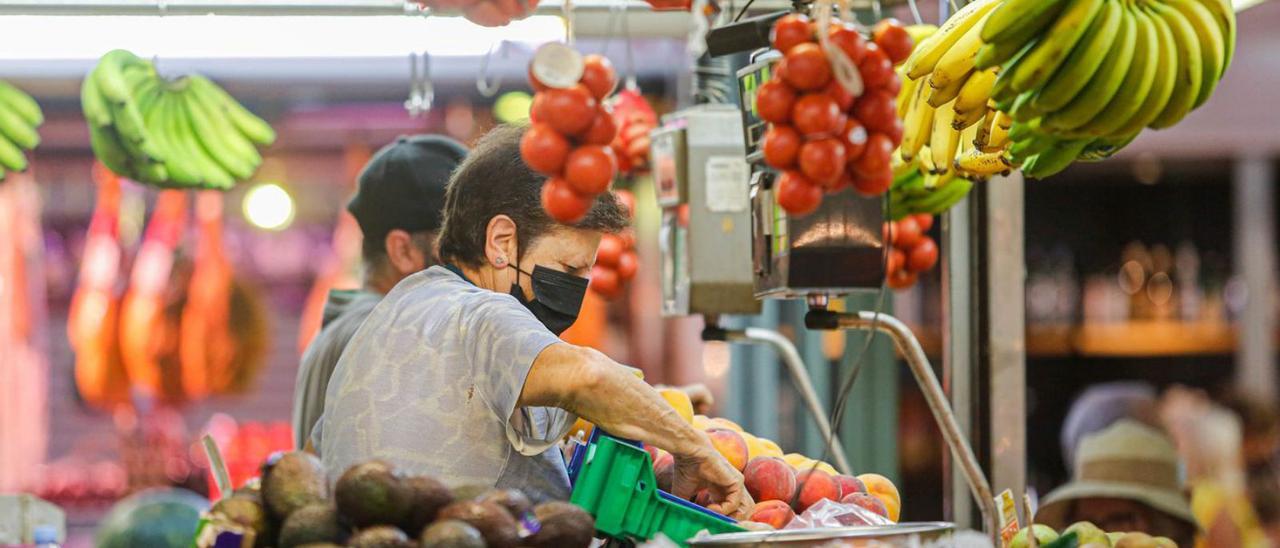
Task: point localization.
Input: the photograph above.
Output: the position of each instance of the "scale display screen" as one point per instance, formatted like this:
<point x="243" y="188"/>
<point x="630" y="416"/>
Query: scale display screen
<point x="749" y="80"/>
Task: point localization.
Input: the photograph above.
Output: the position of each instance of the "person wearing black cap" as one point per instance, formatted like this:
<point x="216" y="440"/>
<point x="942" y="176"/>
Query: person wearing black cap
<point x="398" y="203"/>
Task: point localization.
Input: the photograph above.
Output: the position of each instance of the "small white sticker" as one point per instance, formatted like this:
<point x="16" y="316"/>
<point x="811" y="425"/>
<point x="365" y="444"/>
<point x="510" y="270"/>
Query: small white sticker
<point x="727" y="184"/>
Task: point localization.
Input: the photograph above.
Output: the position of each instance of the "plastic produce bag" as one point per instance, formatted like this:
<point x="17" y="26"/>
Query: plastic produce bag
<point x="829" y="513"/>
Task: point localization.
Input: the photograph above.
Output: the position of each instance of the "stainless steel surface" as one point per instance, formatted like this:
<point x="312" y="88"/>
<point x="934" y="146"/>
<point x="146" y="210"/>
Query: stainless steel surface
<point x="916" y="360"/>
<point x="250" y="7"/>
<point x="902" y="534"/>
<point x="1255" y="258"/>
<point x="1005" y="338"/>
<point x="958" y="346"/>
<point x="800" y="376"/>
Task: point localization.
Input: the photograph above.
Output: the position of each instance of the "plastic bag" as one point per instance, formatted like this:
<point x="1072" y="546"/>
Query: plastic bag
<point x="829" y="513"/>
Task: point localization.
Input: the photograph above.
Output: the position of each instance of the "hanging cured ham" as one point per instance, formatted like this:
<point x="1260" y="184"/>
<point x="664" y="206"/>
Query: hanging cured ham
<point x="91" y="324"/>
<point x="339" y="268"/>
<point x="147" y="337"/>
<point x="206" y="348"/>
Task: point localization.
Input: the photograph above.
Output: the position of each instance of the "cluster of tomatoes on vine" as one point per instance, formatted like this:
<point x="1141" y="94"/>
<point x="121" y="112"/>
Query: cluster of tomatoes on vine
<point x="616" y="260"/>
<point x="911" y="249"/>
<point x="821" y="136"/>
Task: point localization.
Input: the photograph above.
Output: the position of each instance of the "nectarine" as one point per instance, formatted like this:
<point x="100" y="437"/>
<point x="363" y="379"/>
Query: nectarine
<point x="850" y="485"/>
<point x="770" y="478"/>
<point x="868" y="501"/>
<point x="731" y="445"/>
<point x="814" y="485"/>
<point x="884" y="490"/>
<point x="776" y="513"/>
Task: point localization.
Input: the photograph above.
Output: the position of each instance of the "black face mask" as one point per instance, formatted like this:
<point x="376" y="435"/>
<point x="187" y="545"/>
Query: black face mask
<point x="557" y="297"/>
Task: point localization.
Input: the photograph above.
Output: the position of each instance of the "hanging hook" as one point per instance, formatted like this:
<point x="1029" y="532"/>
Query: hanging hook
<point x="414" y="103"/>
<point x="566" y="10"/>
<point x="630" y="49"/>
<point x="482" y="79"/>
<point x="426" y="88"/>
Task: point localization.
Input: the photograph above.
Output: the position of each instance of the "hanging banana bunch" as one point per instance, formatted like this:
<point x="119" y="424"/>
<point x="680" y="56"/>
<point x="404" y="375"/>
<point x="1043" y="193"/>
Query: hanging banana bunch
<point x="19" y="118"/>
<point x="183" y="133"/>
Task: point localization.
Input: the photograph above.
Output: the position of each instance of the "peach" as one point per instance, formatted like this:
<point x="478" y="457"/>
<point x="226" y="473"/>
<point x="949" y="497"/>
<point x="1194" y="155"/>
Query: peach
<point x="796" y="460"/>
<point x="760" y="447"/>
<point x="825" y="467"/>
<point x="850" y="485"/>
<point x="770" y="478"/>
<point x="664" y="468"/>
<point x="868" y="501"/>
<point x="731" y="445"/>
<point x="653" y="452"/>
<point x="721" y="422"/>
<point x="679" y="401"/>
<point x="775" y="513"/>
<point x="815" y="485"/>
<point x="701" y="422"/>
<point x="770" y="448"/>
<point x="884" y="490"/>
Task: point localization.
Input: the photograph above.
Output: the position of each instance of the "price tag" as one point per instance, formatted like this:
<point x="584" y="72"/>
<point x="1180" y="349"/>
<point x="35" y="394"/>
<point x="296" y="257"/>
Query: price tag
<point x="727" y="184"/>
<point x="1008" y="516"/>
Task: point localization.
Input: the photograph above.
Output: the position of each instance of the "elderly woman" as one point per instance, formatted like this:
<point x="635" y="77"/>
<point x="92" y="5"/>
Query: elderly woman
<point x="458" y="373"/>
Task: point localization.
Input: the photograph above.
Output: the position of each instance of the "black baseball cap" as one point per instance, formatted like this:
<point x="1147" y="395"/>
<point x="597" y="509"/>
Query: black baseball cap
<point x="402" y="186"/>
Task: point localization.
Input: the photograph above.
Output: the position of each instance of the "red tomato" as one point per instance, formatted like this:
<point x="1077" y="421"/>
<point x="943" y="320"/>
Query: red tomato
<point x="533" y="81"/>
<point x="925" y="221"/>
<point x="895" y="133"/>
<point x="923" y="256"/>
<point x="628" y="264"/>
<point x="598" y="75"/>
<point x="894" y="85"/>
<point x="875" y="68"/>
<point x="875" y="158"/>
<point x="604" y="280"/>
<point x="538" y="109"/>
<point x="797" y="194"/>
<point x="902" y="279"/>
<point x="873" y="184"/>
<point x="790" y="31"/>
<point x="602" y="130"/>
<point x="611" y="247"/>
<point x="774" y="101"/>
<point x="780" y="145"/>
<point x="849" y="41"/>
<point x="589" y="169"/>
<point x="842" y="96"/>
<point x="877" y="110"/>
<point x="893" y="39"/>
<point x="628" y="238"/>
<point x="854" y="139"/>
<point x="906" y="233"/>
<point x="822" y="161"/>
<point x="895" y="260"/>
<point x="628" y="201"/>
<point x="844" y="181"/>
<point x="544" y="149"/>
<point x="562" y="203"/>
<point x="807" y="67"/>
<point x="570" y="110"/>
<point x="816" y="115"/>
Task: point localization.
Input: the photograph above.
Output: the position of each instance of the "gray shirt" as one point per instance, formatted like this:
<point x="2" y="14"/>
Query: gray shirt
<point x="343" y="313"/>
<point x="430" y="383"/>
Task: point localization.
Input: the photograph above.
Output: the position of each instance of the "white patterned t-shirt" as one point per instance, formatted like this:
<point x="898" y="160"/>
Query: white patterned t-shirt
<point x="430" y="383"/>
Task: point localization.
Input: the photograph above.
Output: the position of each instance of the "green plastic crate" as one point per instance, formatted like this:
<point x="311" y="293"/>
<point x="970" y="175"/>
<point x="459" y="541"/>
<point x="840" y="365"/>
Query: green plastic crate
<point x="613" y="480"/>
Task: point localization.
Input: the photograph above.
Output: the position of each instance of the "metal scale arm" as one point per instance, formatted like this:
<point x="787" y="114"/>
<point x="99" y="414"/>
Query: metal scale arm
<point x="933" y="394"/>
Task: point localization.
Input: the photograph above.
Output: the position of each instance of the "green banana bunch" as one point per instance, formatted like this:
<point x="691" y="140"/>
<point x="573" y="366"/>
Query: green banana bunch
<point x="926" y="193"/>
<point x="182" y="133"/>
<point x="19" y="118"/>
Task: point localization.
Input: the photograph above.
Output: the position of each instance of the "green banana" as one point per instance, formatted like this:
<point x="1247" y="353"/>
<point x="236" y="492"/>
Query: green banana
<point x="1189" y="70"/>
<point x="108" y="149"/>
<point x="159" y="122"/>
<point x="253" y="127"/>
<point x="17" y="129"/>
<point x="21" y="103"/>
<point x="1049" y="54"/>
<point x="1212" y="45"/>
<point x="236" y="140"/>
<point x="110" y="75"/>
<point x="1016" y="18"/>
<point x="93" y="104"/>
<point x="1003" y="91"/>
<point x="1224" y="13"/>
<point x="211" y="173"/>
<point x="1023" y="109"/>
<point x="1021" y="150"/>
<point x="1137" y="83"/>
<point x="1084" y="60"/>
<point x="1103" y="87"/>
<point x="11" y="157"/>
<point x="211" y="133"/>
<point x="1164" y="58"/>
<point x="1101" y="149"/>
<point x="943" y="196"/>
<point x="926" y="55"/>
<point x="1053" y="159"/>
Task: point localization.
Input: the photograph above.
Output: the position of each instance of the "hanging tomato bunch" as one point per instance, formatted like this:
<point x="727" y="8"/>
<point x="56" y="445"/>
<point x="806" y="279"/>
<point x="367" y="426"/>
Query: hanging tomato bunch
<point x="911" y="250"/>
<point x="634" y="119"/>
<point x="572" y="129"/>
<point x="486" y="13"/>
<point x="821" y="135"/>
<point x="616" y="260"/>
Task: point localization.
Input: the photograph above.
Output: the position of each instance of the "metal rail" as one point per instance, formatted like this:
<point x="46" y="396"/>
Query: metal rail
<point x="260" y="8"/>
<point x="911" y="350"/>
<point x="800" y="376"/>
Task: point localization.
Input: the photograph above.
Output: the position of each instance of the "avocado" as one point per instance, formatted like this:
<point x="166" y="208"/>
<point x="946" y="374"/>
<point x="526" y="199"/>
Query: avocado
<point x="427" y="497"/>
<point x="292" y="480"/>
<point x="370" y="493"/>
<point x="561" y="524"/>
<point x="318" y="522"/>
<point x="495" y="524"/>
<point x="247" y="510"/>
<point x="513" y="500"/>
<point x="451" y="533"/>
<point x="380" y="536"/>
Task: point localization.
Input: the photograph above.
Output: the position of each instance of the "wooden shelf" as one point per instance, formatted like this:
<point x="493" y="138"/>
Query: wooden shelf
<point x="1132" y="339"/>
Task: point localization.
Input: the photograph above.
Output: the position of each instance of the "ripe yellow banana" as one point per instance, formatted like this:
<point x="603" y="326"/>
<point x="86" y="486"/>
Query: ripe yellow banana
<point x="1212" y="45"/>
<point x="1014" y="18"/>
<point x="917" y="125"/>
<point x="958" y="61"/>
<point x="1058" y="41"/>
<point x="976" y="164"/>
<point x="944" y="140"/>
<point x="926" y="55"/>
<point x="941" y="96"/>
<point x="971" y="103"/>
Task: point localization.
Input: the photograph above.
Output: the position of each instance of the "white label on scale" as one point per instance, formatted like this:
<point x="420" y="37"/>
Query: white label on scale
<point x="727" y="184"/>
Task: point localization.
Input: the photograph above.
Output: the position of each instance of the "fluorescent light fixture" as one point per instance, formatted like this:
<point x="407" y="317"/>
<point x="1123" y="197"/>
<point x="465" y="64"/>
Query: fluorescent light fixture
<point x="247" y="37"/>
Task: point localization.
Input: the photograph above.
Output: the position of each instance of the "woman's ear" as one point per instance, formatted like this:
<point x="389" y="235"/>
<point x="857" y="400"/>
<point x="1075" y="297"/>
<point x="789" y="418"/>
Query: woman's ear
<point x="500" y="243"/>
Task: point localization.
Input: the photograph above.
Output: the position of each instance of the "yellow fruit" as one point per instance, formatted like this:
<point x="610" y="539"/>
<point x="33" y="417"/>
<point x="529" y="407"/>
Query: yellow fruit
<point x="884" y="490"/>
<point x="701" y="422"/>
<point x="760" y="447"/>
<point x="771" y="448"/>
<point x="826" y="467"/>
<point x="680" y="402"/>
<point x="721" y="422"/>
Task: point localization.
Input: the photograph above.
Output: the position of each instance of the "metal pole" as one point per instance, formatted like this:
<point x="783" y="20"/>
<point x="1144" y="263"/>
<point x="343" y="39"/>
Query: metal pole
<point x="795" y="366"/>
<point x="1003" y="363"/>
<point x="958" y="355"/>
<point x="1255" y="259"/>
<point x="920" y="368"/>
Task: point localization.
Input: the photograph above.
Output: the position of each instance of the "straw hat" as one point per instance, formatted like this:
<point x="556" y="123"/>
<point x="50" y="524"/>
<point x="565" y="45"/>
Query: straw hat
<point x="1128" y="460"/>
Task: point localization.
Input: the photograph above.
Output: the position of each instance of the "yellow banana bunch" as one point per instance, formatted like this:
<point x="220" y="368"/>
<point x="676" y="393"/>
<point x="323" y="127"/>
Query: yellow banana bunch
<point x="19" y="118"/>
<point x="183" y="133"/>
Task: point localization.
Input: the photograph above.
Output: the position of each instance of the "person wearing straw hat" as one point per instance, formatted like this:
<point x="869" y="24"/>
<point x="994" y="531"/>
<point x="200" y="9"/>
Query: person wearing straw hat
<point x="1124" y="478"/>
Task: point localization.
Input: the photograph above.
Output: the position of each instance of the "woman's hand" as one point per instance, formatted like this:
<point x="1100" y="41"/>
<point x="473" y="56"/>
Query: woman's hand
<point x="710" y="471"/>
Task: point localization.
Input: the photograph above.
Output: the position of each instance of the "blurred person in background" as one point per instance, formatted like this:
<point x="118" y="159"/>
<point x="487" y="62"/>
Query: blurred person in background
<point x="1100" y="406"/>
<point x="1261" y="422"/>
<point x="398" y="203"/>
